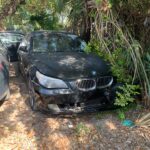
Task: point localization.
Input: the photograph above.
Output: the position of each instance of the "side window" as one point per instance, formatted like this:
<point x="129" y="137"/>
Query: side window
<point x="24" y="45"/>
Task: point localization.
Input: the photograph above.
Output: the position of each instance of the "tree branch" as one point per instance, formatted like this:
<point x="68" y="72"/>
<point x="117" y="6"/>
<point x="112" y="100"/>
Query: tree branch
<point x="10" y="8"/>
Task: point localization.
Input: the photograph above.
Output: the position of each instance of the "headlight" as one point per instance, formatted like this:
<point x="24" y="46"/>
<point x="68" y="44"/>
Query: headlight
<point x="49" y="82"/>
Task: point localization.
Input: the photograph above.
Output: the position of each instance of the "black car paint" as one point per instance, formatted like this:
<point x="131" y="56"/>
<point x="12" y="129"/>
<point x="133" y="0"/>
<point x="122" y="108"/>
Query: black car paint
<point x="68" y="66"/>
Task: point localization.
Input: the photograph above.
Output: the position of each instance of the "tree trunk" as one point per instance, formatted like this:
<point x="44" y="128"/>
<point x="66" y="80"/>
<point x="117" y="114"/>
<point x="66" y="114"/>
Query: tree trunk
<point x="87" y="23"/>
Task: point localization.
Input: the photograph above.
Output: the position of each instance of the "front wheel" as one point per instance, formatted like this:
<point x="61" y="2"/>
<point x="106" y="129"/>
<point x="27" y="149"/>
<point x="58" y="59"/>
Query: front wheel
<point x="32" y="95"/>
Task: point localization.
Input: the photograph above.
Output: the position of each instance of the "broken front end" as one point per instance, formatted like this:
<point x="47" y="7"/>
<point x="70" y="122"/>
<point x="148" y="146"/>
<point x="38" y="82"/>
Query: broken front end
<point x="74" y="96"/>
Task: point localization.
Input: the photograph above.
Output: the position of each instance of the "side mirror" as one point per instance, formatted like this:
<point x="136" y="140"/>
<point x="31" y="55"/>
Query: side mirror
<point x="23" y="48"/>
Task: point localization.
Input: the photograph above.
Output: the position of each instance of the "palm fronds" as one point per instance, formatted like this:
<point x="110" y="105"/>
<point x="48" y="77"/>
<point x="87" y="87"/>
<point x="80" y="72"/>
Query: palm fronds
<point x="144" y="121"/>
<point x="107" y="29"/>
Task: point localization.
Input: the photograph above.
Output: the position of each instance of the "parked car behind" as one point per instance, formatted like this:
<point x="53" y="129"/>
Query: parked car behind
<point x="11" y="40"/>
<point x="4" y="75"/>
<point x="61" y="77"/>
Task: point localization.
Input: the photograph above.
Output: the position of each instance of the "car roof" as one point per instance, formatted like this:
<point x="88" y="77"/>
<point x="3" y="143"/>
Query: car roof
<point x="12" y="32"/>
<point x="49" y="31"/>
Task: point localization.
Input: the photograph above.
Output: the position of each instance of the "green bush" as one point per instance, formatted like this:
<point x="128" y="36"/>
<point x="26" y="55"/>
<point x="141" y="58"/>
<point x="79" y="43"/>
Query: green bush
<point x="81" y="129"/>
<point x="126" y="94"/>
<point x="121" y="68"/>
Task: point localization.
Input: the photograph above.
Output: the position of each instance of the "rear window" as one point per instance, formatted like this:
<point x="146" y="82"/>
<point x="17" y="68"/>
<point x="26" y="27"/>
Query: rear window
<point x="10" y="38"/>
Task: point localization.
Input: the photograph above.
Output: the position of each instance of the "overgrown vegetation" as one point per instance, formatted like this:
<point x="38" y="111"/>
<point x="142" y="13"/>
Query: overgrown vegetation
<point x="126" y="94"/>
<point x="81" y="129"/>
<point x="144" y="121"/>
<point x="113" y="39"/>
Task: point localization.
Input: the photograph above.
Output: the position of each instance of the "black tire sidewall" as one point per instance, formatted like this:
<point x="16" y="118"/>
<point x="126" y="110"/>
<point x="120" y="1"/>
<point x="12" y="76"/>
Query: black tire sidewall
<point x="32" y="100"/>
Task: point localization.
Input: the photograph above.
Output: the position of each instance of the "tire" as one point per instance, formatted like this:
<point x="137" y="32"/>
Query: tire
<point x="20" y="66"/>
<point x="32" y="99"/>
<point x="21" y="70"/>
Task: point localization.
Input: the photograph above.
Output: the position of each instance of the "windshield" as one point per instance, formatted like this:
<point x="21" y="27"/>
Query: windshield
<point x="50" y="42"/>
<point x="10" y="38"/>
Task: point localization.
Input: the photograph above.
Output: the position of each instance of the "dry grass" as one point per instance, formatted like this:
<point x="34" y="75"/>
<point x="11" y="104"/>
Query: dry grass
<point x="144" y="121"/>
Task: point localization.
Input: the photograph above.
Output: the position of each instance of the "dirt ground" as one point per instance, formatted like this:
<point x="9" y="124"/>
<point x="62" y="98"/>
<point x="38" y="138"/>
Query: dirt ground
<point x="22" y="129"/>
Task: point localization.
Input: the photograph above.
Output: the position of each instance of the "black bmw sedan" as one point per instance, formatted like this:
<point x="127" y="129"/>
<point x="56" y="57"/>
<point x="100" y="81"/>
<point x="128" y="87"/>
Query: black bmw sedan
<point x="61" y="76"/>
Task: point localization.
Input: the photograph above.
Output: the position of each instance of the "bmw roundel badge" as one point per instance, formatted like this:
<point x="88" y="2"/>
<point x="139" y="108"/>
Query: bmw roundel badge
<point x="94" y="73"/>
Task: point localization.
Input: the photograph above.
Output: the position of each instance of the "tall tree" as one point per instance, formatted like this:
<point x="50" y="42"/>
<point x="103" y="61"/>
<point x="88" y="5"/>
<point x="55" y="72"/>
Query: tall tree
<point x="9" y="8"/>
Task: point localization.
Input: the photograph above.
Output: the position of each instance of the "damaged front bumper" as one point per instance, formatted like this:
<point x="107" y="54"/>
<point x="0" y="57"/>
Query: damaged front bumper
<point x="73" y="101"/>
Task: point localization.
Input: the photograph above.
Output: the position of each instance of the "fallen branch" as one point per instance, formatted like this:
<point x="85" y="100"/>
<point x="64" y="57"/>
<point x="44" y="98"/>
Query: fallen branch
<point x="144" y="121"/>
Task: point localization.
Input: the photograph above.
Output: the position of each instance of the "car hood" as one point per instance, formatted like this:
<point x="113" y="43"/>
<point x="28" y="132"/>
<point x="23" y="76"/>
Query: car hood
<point x="66" y="66"/>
